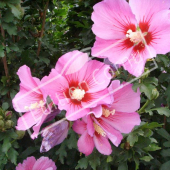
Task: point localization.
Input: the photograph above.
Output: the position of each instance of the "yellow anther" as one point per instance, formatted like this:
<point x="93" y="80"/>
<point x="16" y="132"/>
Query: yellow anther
<point x="107" y="113"/>
<point x="99" y="130"/>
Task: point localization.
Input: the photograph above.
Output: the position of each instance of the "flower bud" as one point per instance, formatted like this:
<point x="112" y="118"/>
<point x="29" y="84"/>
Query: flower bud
<point x="1" y="124"/>
<point x="1" y="118"/>
<point x="8" y="114"/>
<point x="146" y="72"/>
<point x="9" y="124"/>
<point x="20" y="134"/>
<point x="155" y="94"/>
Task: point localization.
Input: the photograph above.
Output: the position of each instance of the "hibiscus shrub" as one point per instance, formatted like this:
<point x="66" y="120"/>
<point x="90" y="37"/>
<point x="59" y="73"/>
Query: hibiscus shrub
<point x="85" y="84"/>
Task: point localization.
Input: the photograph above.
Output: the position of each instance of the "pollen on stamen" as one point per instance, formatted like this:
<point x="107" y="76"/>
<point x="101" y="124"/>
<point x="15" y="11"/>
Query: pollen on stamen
<point x="107" y="113"/>
<point x="78" y="94"/>
<point x="99" y="130"/>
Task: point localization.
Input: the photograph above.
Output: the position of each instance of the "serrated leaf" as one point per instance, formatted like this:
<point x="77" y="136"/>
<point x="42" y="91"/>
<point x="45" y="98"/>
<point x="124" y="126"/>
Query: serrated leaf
<point x="152" y="147"/>
<point x="94" y="161"/>
<point x="12" y="155"/>
<point x="11" y="28"/>
<point x="15" y="11"/>
<point x="132" y="138"/>
<point x="151" y="80"/>
<point x="82" y="163"/>
<point x="162" y="111"/>
<point x="14" y="47"/>
<point x="6" y="145"/>
<point x="147" y="89"/>
<point x="162" y="132"/>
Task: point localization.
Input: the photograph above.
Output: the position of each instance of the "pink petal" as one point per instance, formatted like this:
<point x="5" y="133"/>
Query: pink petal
<point x="55" y="85"/>
<point x="43" y="163"/>
<point x="25" y="98"/>
<point x="27" y="81"/>
<point x="71" y="62"/>
<point x="111" y="19"/>
<point x="27" y="164"/>
<point x="90" y="127"/>
<point x="97" y="76"/>
<point x="124" y="122"/>
<point x="112" y="49"/>
<point x="97" y="111"/>
<point x="114" y="135"/>
<point x="79" y="126"/>
<point x="136" y="63"/>
<point x="102" y="144"/>
<point x="29" y="119"/>
<point x="75" y="112"/>
<point x="160" y="32"/>
<point x="125" y="99"/>
<point x="37" y="127"/>
<point x="149" y="8"/>
<point x="85" y="144"/>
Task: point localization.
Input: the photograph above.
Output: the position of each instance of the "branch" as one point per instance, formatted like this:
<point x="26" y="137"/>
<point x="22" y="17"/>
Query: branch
<point x="42" y="29"/>
<point x="4" y="58"/>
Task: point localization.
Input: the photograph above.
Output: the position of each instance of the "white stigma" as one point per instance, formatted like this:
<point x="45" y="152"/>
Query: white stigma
<point x="135" y="37"/>
<point x="78" y="94"/>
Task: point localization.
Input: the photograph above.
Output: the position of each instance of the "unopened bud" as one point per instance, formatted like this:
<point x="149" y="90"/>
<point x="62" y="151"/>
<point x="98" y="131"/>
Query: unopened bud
<point x="8" y="114"/>
<point x="9" y="124"/>
<point x="1" y="118"/>
<point x="127" y="146"/>
<point x="20" y="134"/>
<point x="1" y="124"/>
<point x="155" y="94"/>
<point x="146" y="73"/>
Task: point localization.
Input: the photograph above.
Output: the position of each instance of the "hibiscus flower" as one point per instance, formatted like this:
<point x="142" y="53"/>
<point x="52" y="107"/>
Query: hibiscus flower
<point x="31" y="100"/>
<point x="129" y="34"/>
<point x="107" y="122"/>
<point x="76" y="84"/>
<point x="43" y="163"/>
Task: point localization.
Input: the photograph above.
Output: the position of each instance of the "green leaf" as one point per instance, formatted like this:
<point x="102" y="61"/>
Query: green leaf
<point x="146" y="158"/>
<point x="11" y="28"/>
<point x="147" y="89"/>
<point x="151" y="80"/>
<point x="2" y="4"/>
<point x="14" y="47"/>
<point x="165" y="166"/>
<point x="6" y="145"/>
<point x="14" y="1"/>
<point x="165" y="152"/>
<point x="45" y="60"/>
<point x="162" y="111"/>
<point x="132" y="138"/>
<point x="12" y="155"/>
<point x="162" y="132"/>
<point x="151" y="125"/>
<point x="5" y="106"/>
<point x="123" y="166"/>
<point x="82" y="163"/>
<point x="8" y="17"/>
<point x="167" y="144"/>
<point x="2" y="54"/>
<point x="152" y="147"/>
<point x="94" y="160"/>
<point x="15" y="11"/>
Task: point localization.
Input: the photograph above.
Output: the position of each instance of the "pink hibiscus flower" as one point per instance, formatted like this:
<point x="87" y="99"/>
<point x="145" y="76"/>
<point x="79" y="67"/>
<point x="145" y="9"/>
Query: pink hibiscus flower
<point x="42" y="163"/>
<point x="31" y="100"/>
<point x="77" y="84"/>
<point x="107" y="122"/>
<point x="128" y="35"/>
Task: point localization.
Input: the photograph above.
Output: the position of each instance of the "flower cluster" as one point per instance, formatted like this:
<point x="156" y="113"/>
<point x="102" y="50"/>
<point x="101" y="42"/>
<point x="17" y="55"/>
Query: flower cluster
<point x="101" y="108"/>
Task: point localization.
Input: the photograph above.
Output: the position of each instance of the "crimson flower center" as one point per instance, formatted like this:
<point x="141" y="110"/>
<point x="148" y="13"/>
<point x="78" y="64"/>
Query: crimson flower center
<point x="136" y="37"/>
<point x="78" y="94"/>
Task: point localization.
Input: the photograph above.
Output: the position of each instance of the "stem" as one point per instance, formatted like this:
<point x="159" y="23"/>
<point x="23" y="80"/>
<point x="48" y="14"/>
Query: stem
<point x="4" y="58"/>
<point x="164" y="126"/>
<point x="42" y="29"/>
<point x="142" y="109"/>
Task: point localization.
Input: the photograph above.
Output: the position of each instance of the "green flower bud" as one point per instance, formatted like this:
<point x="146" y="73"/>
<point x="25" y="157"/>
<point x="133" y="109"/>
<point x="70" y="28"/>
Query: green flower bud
<point x="8" y="114"/>
<point x="20" y="134"/>
<point x="9" y="124"/>
<point x="146" y="72"/>
<point x="155" y="94"/>
<point x="1" y="124"/>
<point x="1" y="117"/>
